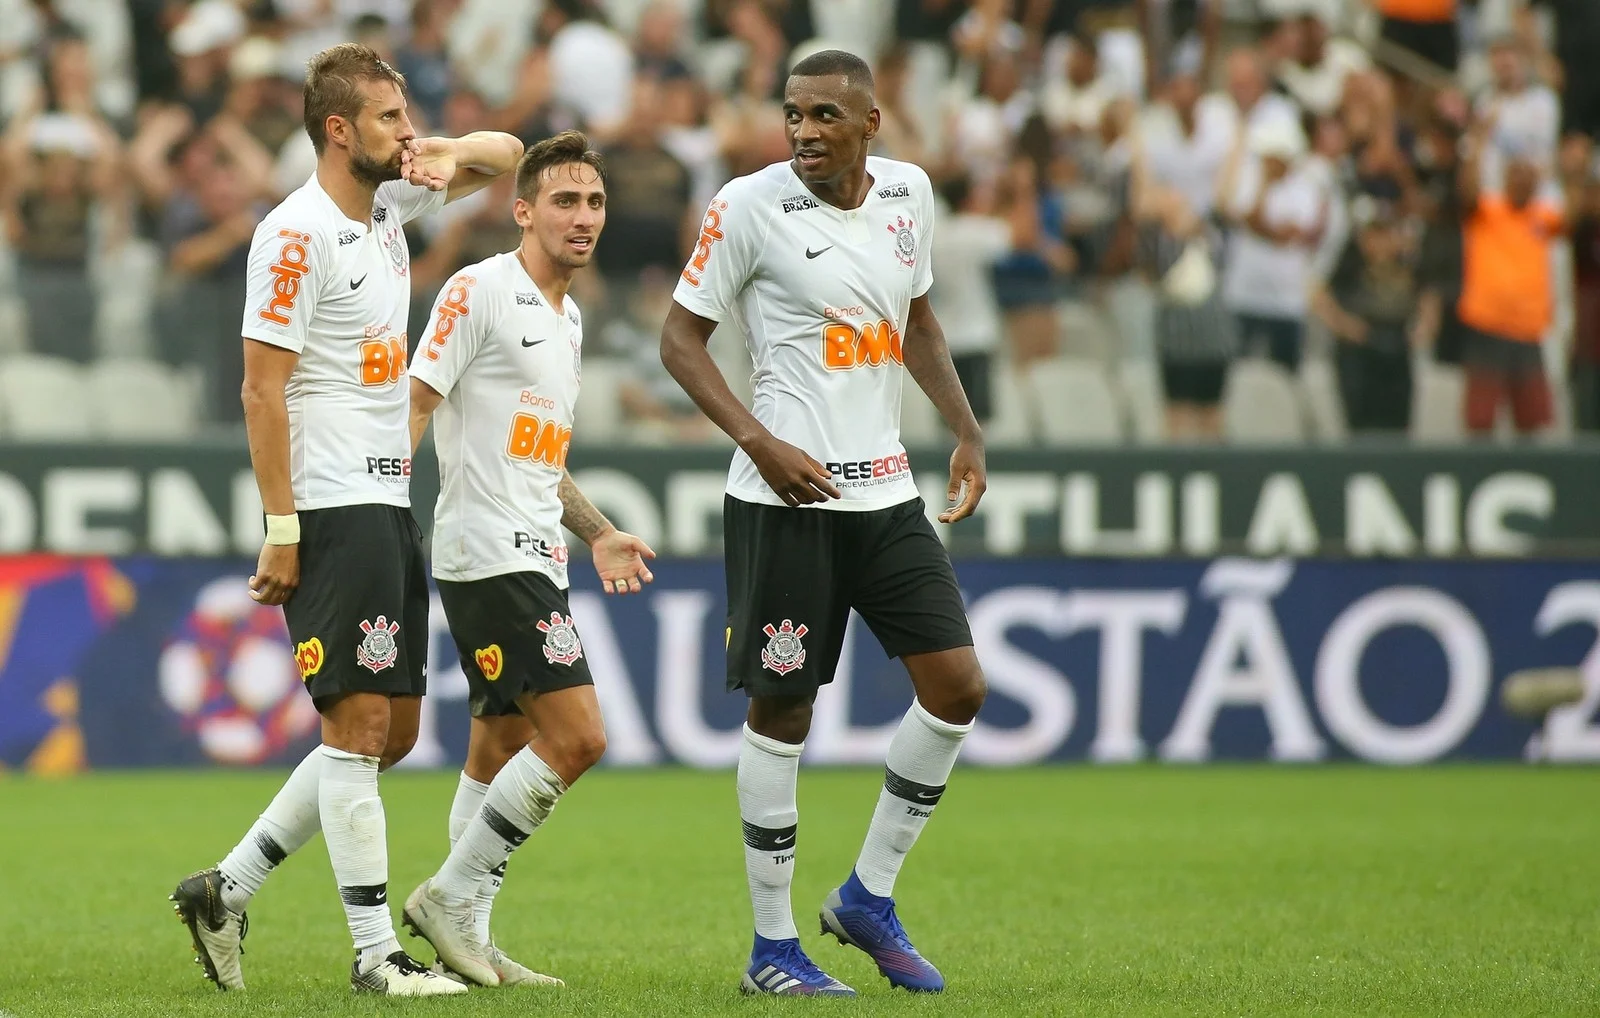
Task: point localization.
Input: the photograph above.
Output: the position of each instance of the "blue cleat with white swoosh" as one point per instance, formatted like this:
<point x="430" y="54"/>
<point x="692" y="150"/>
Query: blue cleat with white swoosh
<point x="780" y="968"/>
<point x="863" y="920"/>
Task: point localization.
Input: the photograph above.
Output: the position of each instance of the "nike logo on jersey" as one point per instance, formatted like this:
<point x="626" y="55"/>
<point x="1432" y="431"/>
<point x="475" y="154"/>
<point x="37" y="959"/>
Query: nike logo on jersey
<point x="813" y="254"/>
<point x="354" y="283"/>
<point x="534" y="343"/>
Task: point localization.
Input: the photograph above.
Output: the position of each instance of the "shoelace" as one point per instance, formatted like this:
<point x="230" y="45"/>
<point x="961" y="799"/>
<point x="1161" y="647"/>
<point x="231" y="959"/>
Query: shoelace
<point x="244" y="929"/>
<point x="794" y="961"/>
<point x="407" y="964"/>
<point x="885" y="915"/>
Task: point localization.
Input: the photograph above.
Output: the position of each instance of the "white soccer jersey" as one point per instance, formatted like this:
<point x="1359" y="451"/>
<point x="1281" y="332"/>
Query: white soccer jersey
<point x="821" y="295"/>
<point x="508" y="365"/>
<point x="337" y="292"/>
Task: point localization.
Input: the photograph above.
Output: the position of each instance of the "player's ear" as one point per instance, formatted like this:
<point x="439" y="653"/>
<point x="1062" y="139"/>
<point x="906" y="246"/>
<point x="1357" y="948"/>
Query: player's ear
<point x="522" y="212"/>
<point x="337" y="129"/>
<point x="874" y="120"/>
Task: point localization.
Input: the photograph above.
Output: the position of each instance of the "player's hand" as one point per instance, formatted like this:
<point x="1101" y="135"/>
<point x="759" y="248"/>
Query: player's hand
<point x="794" y="476"/>
<point x="967" y="470"/>
<point x="277" y="573"/>
<point x="429" y="162"/>
<point x="619" y="561"/>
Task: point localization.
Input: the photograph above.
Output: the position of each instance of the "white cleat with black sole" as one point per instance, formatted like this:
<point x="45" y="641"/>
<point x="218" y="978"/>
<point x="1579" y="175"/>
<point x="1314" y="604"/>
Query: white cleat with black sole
<point x="217" y="933"/>
<point x="452" y="930"/>
<point x="401" y="975"/>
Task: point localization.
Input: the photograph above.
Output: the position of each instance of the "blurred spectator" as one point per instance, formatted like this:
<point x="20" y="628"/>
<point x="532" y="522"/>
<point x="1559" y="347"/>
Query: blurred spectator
<point x="1186" y="141"/>
<point x="1074" y="100"/>
<point x="1584" y="186"/>
<point x="1425" y="27"/>
<point x="1248" y="94"/>
<point x="201" y="43"/>
<point x="986" y="126"/>
<point x="1576" y="39"/>
<point x="1315" y="73"/>
<point x="899" y="134"/>
<point x="591" y="66"/>
<point x="1179" y="32"/>
<point x="1526" y="114"/>
<point x="647" y="199"/>
<point x="1196" y="336"/>
<point x="1373" y="305"/>
<point x="1027" y="281"/>
<point x="61" y="201"/>
<point x="653" y="404"/>
<point x="205" y="235"/>
<point x="970" y="239"/>
<point x="1279" y="213"/>
<point x="259" y="100"/>
<point x="425" y="62"/>
<point x="659" y="42"/>
<point x="689" y="136"/>
<point x="1507" y="295"/>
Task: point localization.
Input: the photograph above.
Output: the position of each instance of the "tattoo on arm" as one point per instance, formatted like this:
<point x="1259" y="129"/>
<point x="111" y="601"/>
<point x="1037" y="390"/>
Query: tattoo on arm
<point x="578" y="514"/>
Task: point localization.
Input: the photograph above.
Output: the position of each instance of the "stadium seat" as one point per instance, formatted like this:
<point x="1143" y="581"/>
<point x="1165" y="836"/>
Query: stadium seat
<point x="1319" y="380"/>
<point x="597" y="417"/>
<point x="1075" y="402"/>
<point x="1261" y="405"/>
<point x="1437" y="394"/>
<point x="1140" y="381"/>
<point x="1009" y="425"/>
<point x="135" y="400"/>
<point x="44" y="398"/>
<point x="919" y="418"/>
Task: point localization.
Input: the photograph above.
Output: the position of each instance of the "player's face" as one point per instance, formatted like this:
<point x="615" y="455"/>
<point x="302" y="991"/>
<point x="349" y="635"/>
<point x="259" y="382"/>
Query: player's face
<point x="829" y="123"/>
<point x="380" y="133"/>
<point x="567" y="215"/>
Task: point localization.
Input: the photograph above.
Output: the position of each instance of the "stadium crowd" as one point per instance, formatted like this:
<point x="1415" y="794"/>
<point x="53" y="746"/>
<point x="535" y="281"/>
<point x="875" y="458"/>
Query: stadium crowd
<point x="1164" y="219"/>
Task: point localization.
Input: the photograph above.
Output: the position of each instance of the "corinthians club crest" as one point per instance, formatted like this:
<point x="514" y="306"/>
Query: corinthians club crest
<point x="378" y="649"/>
<point x="561" y="645"/>
<point x="783" y="652"/>
<point x="905" y="240"/>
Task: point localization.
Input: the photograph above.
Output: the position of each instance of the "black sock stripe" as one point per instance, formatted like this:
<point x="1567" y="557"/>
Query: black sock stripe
<point x="770" y="839"/>
<point x="922" y="795"/>
<point x="508" y="831"/>
<point x="270" y="849"/>
<point x="372" y="894"/>
<point x="499" y="871"/>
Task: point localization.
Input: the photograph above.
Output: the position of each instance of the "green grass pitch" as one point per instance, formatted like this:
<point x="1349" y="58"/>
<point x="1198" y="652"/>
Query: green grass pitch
<point x="1072" y="891"/>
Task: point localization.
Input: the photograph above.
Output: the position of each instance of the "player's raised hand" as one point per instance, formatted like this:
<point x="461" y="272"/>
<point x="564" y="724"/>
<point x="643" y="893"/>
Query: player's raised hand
<point x="619" y="561"/>
<point x="429" y="162"/>
<point x="791" y="473"/>
<point x="968" y="470"/>
<point x="277" y="573"/>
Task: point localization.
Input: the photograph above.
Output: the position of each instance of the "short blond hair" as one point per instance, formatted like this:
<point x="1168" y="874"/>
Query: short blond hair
<point x="333" y="86"/>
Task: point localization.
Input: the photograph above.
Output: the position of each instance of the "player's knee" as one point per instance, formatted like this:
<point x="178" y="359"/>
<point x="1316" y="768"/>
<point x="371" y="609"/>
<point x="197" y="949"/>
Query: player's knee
<point x="960" y="698"/>
<point x="786" y="719"/>
<point x="398" y="747"/>
<point x="580" y="750"/>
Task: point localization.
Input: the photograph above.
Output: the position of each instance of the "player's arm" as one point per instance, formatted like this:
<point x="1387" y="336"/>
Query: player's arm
<point x="266" y="421"/>
<point x="618" y="557"/>
<point x="927" y="358"/>
<point x="789" y="471"/>
<point x="460" y="166"/>
<point x="424" y="401"/>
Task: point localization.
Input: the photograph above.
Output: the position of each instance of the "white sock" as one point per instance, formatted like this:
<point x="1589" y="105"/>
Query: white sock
<point x="519" y="799"/>
<point x="353" y="827"/>
<point x="769" y="770"/>
<point x="469" y="797"/>
<point x="282" y="830"/>
<point x="921" y="756"/>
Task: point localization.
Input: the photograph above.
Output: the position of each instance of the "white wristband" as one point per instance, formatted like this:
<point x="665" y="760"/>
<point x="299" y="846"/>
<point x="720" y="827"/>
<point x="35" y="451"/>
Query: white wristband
<point x="283" y="529"/>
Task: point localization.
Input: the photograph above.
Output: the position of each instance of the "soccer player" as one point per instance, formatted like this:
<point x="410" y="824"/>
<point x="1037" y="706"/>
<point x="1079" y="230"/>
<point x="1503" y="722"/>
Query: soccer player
<point x="325" y="401"/>
<point x="822" y="262"/>
<point x="501" y="368"/>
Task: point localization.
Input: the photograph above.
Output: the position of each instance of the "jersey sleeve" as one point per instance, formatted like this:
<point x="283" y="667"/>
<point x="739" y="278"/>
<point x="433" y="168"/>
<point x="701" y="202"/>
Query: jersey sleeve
<point x="724" y="256"/>
<point x="281" y="284"/>
<point x="922" y="273"/>
<point x="408" y="200"/>
<point x="456" y="330"/>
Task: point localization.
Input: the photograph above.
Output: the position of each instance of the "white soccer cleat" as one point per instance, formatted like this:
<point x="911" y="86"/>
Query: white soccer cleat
<point x="514" y="973"/>
<point x="218" y="933"/>
<point x="401" y="975"/>
<point x="452" y="931"/>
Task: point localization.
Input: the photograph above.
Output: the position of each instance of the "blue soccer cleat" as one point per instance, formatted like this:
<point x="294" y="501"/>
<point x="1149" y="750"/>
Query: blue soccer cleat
<point x="781" y="968"/>
<point x="862" y="919"/>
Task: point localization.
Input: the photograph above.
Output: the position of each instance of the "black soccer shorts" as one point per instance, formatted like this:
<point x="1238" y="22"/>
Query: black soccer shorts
<point x="515" y="635"/>
<point x="794" y="574"/>
<point x="359" y="619"/>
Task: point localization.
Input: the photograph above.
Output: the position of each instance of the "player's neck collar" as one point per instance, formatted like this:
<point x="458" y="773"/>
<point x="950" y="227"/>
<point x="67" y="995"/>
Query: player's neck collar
<point x="866" y="189"/>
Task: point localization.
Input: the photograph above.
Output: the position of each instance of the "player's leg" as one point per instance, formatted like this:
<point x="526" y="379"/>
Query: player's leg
<point x="520" y="651"/>
<point x="786" y="625"/>
<point x="491" y="743"/>
<point x="908" y="595"/>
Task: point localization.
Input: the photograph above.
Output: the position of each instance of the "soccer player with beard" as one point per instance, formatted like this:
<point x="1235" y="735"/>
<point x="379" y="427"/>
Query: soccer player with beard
<point x="822" y="262"/>
<point x="499" y="373"/>
<point x="326" y="405"/>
